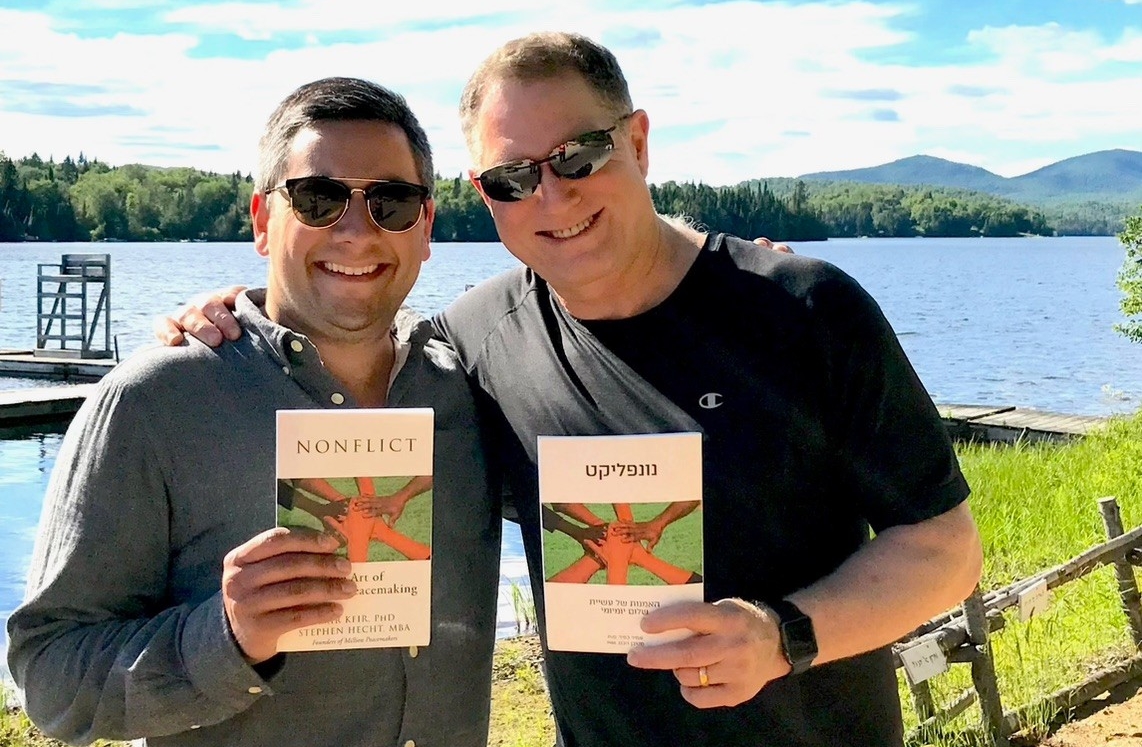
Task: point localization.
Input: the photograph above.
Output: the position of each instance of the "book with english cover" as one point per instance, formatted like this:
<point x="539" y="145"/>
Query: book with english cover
<point x="622" y="535"/>
<point x="365" y="477"/>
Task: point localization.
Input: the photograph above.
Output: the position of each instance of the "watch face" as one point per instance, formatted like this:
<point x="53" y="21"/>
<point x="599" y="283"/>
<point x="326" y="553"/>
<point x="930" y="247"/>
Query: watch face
<point x="799" y="642"/>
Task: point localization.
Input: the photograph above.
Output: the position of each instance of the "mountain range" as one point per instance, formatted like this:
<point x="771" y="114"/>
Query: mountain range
<point x="1102" y="176"/>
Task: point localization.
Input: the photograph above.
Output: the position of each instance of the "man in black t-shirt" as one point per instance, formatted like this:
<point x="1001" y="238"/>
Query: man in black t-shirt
<point x="816" y="429"/>
<point x="817" y="432"/>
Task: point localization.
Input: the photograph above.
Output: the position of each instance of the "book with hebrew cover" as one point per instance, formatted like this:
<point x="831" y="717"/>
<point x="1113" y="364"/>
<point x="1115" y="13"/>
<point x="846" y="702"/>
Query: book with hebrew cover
<point x="622" y="535"/>
<point x="365" y="477"/>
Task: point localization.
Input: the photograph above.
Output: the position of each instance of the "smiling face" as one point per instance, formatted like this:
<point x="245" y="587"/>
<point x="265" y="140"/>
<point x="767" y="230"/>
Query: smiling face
<point x="586" y="237"/>
<point x="343" y="283"/>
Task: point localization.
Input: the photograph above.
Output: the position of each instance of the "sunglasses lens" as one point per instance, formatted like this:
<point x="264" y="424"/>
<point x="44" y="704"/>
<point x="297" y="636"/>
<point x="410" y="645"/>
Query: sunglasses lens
<point x="395" y="207"/>
<point x="510" y="182"/>
<point x="583" y="157"/>
<point x="576" y="159"/>
<point x="317" y="202"/>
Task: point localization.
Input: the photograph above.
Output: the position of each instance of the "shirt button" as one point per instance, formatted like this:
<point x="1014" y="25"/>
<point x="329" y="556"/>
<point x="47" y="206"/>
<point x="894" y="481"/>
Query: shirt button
<point x="296" y="346"/>
<point x="410" y="743"/>
<point x="337" y="398"/>
<point x="254" y="690"/>
<point x="196" y="726"/>
<point x="285" y="370"/>
<point x="413" y="651"/>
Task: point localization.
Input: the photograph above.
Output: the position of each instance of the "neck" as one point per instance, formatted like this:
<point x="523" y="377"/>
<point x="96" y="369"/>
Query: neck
<point x="669" y="251"/>
<point x="361" y="360"/>
<point x="363" y="367"/>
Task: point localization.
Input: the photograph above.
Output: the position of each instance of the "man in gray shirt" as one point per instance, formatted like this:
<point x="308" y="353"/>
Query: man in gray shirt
<point x="159" y="585"/>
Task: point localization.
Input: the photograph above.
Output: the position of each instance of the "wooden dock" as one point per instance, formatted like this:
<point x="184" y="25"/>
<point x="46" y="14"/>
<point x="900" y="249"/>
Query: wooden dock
<point x="1013" y="424"/>
<point x="52" y="404"/>
<point x="26" y="365"/>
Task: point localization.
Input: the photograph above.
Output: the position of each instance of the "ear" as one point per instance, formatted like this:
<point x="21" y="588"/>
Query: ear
<point x="429" y="218"/>
<point x="260" y="220"/>
<point x="639" y="128"/>
<point x="474" y="178"/>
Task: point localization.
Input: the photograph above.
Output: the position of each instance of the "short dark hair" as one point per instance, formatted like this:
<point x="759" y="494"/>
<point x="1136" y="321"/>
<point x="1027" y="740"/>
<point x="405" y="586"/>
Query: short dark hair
<point x="543" y="56"/>
<point x="337" y="100"/>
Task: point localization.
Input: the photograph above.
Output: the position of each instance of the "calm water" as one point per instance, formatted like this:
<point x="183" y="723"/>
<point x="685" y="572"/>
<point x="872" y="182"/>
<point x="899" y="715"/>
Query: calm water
<point x="985" y="321"/>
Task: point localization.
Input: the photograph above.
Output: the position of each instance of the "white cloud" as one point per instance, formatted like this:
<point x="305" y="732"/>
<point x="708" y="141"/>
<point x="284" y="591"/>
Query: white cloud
<point x="122" y="4"/>
<point x="1049" y="48"/>
<point x="1041" y="92"/>
<point x="257" y="21"/>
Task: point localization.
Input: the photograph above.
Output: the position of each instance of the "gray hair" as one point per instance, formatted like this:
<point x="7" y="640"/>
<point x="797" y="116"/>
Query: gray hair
<point x="337" y="100"/>
<point x="543" y="56"/>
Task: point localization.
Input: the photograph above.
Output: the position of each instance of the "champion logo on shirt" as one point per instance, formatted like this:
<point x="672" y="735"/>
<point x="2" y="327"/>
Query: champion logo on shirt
<point x="710" y="401"/>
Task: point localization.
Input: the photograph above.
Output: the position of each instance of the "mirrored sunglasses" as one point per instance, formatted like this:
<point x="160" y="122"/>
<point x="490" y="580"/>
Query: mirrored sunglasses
<point x="575" y="159"/>
<point x="320" y="201"/>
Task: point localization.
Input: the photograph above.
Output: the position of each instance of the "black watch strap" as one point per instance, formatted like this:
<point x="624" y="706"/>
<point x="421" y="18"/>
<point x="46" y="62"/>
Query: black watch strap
<point x="798" y="641"/>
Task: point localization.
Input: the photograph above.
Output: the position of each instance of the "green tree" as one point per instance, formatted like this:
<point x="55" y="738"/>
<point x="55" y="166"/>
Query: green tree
<point x="51" y="216"/>
<point x="100" y="199"/>
<point x="12" y="202"/>
<point x="1130" y="278"/>
<point x="460" y="213"/>
<point x="68" y="171"/>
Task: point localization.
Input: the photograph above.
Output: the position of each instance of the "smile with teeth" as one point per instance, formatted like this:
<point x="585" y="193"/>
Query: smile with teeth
<point x="347" y="270"/>
<point x="575" y="230"/>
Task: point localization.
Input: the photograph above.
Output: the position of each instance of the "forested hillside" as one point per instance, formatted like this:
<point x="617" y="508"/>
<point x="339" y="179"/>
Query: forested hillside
<point x="1089" y="194"/>
<point x="87" y="200"/>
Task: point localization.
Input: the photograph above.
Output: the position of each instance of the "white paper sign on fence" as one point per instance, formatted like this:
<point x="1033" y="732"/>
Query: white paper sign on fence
<point x="1034" y="600"/>
<point x="923" y="662"/>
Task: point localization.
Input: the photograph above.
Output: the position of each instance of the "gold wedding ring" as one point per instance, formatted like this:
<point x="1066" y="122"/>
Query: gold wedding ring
<point x="703" y="677"/>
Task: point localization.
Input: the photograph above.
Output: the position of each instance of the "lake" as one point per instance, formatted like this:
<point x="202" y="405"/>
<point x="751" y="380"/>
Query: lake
<point x="1025" y="322"/>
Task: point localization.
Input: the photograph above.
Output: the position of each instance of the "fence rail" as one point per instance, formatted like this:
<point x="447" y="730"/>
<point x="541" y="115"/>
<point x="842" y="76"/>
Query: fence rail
<point x="961" y="637"/>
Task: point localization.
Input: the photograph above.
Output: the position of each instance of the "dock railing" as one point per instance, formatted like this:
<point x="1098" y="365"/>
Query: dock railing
<point x="79" y="291"/>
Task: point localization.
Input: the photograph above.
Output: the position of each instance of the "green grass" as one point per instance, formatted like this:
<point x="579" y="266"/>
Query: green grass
<point x="17" y="731"/>
<point x="1036" y="507"/>
<point x="523" y="608"/>
<point x="521" y="710"/>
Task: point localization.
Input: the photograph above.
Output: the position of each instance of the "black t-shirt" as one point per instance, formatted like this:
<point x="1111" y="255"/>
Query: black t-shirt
<point x="815" y="429"/>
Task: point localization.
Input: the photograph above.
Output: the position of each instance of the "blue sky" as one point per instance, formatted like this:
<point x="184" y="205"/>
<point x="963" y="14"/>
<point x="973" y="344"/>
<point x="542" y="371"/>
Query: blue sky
<point x="734" y="89"/>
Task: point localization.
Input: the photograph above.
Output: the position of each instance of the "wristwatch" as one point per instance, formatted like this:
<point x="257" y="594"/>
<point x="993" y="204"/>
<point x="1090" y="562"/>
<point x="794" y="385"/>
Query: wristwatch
<point x="798" y="642"/>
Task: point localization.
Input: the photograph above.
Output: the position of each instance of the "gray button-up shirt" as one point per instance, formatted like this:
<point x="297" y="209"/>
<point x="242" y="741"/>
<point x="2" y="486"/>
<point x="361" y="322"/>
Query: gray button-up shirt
<point x="168" y="467"/>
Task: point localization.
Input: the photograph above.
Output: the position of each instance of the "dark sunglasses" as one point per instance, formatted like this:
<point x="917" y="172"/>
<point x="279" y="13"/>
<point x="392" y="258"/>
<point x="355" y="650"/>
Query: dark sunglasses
<point x="575" y="159"/>
<point x="319" y="201"/>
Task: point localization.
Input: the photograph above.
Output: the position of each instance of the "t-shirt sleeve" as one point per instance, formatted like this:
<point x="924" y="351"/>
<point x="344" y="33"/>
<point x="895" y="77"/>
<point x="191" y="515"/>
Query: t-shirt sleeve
<point x="889" y="437"/>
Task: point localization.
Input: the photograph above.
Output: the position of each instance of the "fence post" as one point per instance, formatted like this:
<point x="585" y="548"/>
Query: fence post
<point x="922" y="700"/>
<point x="983" y="670"/>
<point x="1127" y="585"/>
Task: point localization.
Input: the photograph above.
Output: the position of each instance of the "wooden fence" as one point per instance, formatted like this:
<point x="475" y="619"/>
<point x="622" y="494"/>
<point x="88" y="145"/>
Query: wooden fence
<point x="961" y="637"/>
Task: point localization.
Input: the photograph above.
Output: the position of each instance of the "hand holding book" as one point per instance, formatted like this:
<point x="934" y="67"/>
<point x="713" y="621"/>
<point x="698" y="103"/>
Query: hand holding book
<point x="737" y="646"/>
<point x="279" y="581"/>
